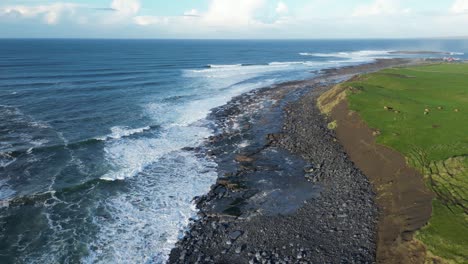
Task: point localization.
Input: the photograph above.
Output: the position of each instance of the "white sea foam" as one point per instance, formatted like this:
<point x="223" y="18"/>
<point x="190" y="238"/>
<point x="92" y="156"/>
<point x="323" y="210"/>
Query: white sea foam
<point x="147" y="222"/>
<point x="457" y="53"/>
<point x="123" y="131"/>
<point x="223" y="71"/>
<point x="5" y="191"/>
<point x="40" y="124"/>
<point x="38" y="142"/>
<point x="232" y="69"/>
<point x="6" y="159"/>
<point x="130" y="156"/>
<point x="295" y="63"/>
<point x="243" y="144"/>
<point x="199" y="109"/>
<point x="353" y="55"/>
<point x="224" y="66"/>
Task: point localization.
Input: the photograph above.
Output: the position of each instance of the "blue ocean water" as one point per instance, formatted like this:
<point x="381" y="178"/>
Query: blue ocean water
<point x="92" y="132"/>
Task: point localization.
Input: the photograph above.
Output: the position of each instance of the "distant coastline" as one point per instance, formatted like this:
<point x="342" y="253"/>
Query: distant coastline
<point x="409" y="52"/>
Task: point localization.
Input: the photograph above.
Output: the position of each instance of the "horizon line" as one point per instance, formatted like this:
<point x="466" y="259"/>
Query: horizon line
<point x="256" y="39"/>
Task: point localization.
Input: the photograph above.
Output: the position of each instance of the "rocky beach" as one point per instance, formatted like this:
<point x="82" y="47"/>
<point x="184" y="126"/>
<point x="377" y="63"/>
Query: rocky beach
<point x="226" y="145"/>
<point x="287" y="192"/>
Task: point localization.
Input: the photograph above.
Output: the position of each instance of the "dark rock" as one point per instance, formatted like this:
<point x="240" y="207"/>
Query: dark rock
<point x="234" y="235"/>
<point x="309" y="168"/>
<point x="188" y="149"/>
<point x="242" y="159"/>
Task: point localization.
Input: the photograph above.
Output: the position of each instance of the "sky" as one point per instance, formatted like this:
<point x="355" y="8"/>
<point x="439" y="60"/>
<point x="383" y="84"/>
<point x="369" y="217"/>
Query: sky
<point x="233" y="19"/>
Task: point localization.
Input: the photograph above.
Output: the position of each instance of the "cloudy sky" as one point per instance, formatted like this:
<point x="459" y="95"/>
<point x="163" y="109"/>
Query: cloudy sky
<point x="233" y="18"/>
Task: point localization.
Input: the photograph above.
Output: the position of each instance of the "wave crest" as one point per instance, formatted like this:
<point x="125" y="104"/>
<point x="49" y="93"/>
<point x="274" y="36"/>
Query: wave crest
<point x="118" y="132"/>
<point x="349" y="54"/>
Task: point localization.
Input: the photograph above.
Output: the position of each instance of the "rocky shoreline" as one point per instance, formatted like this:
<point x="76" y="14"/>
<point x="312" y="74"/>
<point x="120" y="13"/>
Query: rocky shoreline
<point x="287" y="192"/>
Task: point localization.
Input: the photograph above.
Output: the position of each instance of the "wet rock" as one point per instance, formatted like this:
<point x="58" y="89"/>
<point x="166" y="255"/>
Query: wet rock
<point x="188" y="149"/>
<point x="234" y="235"/>
<point x="228" y="184"/>
<point x="242" y="158"/>
<point x="309" y="168"/>
<point x="311" y="177"/>
<point x="274" y="137"/>
<point x="223" y="181"/>
<point x="240" y="249"/>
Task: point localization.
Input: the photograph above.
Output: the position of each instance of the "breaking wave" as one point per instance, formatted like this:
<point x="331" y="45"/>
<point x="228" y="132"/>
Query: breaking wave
<point x="118" y="132"/>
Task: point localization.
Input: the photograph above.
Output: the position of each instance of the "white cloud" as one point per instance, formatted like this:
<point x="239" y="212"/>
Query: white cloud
<point x="229" y="13"/>
<point x="150" y="20"/>
<point x="124" y="12"/>
<point x="51" y="14"/>
<point x="252" y="18"/>
<point x="380" y="7"/>
<point x="281" y="8"/>
<point x="460" y="6"/>
<point x="126" y="7"/>
<point x="193" y="12"/>
<point x="146" y="20"/>
<point x="222" y="18"/>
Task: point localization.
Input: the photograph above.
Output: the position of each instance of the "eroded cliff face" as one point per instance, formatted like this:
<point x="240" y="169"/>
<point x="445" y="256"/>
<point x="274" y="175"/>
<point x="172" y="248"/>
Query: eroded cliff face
<point x="404" y="201"/>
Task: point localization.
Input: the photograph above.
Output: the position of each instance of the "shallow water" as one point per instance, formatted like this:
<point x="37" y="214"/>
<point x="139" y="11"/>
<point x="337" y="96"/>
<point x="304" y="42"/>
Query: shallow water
<point x="92" y="135"/>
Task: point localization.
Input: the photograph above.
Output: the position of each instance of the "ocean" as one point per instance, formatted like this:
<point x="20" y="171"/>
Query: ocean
<point x="94" y="166"/>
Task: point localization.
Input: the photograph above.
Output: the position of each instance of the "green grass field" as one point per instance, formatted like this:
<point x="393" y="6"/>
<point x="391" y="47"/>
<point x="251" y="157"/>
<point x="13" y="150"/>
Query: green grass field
<point x="422" y="112"/>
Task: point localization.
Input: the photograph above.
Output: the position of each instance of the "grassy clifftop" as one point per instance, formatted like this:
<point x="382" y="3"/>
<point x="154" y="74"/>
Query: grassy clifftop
<point x="422" y="112"/>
